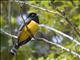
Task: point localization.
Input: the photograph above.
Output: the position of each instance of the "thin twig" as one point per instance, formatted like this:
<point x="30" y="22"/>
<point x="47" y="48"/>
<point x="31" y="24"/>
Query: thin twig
<point x="68" y="20"/>
<point x="30" y="33"/>
<point x="57" y="31"/>
<point x="22" y="2"/>
<point x="10" y="35"/>
<point x="60" y="46"/>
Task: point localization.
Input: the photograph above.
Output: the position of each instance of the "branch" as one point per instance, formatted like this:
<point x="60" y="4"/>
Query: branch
<point x="68" y="20"/>
<point x="22" y="2"/>
<point x="57" y="14"/>
<point x="10" y="35"/>
<point x="50" y="28"/>
<point x="65" y="35"/>
<point x="61" y="47"/>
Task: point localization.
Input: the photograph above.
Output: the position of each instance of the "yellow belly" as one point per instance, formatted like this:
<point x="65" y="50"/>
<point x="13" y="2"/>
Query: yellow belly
<point x="24" y="34"/>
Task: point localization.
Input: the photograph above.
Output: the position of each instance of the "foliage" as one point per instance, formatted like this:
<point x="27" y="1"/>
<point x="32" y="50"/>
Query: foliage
<point x="39" y="50"/>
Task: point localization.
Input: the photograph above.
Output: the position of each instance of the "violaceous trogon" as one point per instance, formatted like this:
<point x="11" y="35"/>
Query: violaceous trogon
<point x="24" y="35"/>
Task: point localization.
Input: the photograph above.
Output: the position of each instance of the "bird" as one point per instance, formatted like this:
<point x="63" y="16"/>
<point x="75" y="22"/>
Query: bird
<point x="24" y="35"/>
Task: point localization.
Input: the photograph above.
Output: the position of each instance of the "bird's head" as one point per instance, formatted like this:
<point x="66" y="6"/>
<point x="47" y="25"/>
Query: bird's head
<point x="34" y="17"/>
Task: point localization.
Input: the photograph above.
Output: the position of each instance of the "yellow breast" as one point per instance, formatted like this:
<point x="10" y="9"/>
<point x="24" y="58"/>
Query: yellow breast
<point x="24" y="34"/>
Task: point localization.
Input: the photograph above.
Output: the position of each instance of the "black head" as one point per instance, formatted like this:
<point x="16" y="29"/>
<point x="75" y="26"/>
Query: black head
<point x="34" y="17"/>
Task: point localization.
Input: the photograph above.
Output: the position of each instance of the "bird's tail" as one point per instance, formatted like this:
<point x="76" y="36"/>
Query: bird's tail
<point x="14" y="50"/>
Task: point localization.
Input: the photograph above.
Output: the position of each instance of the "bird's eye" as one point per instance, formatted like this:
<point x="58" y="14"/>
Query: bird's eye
<point x="32" y="14"/>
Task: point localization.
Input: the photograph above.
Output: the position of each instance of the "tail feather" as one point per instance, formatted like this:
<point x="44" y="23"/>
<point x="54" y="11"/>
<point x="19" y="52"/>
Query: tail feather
<point x="16" y="46"/>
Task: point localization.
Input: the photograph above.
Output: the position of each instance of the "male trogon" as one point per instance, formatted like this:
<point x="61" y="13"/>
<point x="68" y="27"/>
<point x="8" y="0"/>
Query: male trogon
<point x="24" y="35"/>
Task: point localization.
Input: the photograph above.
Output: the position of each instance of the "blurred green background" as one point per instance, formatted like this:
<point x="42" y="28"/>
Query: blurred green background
<point x="39" y="50"/>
